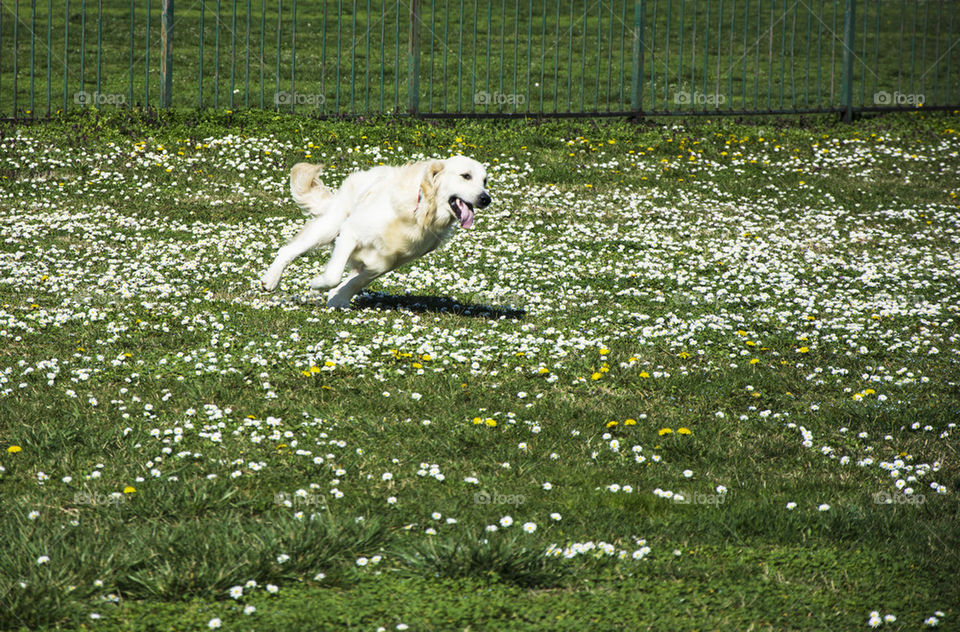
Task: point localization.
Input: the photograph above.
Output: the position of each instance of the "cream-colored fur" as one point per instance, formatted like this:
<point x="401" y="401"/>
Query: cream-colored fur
<point x="379" y="219"/>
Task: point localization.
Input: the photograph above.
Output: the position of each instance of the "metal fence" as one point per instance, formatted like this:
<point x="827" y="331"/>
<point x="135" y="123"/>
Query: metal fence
<point x="481" y="58"/>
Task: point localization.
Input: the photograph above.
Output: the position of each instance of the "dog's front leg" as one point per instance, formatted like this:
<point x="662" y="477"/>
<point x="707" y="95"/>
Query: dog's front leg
<point x="343" y="247"/>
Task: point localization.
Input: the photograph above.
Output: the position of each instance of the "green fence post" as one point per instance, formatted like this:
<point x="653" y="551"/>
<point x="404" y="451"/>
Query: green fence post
<point x="99" y="45"/>
<point x="16" y="22"/>
<point x="133" y="15"/>
<point x="66" y="56"/>
<point x="166" y="45"/>
<point x="637" y="93"/>
<point x="33" y="48"/>
<point x="414" y="56"/>
<point x="847" y="79"/>
<point x="146" y="63"/>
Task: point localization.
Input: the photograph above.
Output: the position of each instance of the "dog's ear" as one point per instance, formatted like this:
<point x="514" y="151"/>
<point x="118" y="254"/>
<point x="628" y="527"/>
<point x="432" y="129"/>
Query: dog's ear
<point x="435" y="168"/>
<point x="428" y="192"/>
<point x="428" y="187"/>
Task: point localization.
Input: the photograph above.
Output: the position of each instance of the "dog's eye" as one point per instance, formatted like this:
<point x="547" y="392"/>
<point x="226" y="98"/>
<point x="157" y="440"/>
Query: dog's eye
<point x="467" y="176"/>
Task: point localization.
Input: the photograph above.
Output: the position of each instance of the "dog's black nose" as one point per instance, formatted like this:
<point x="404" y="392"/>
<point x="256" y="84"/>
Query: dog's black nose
<point x="484" y="200"/>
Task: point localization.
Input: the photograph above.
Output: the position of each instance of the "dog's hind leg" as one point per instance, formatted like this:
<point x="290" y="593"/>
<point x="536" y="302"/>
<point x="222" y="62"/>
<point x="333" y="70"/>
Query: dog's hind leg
<point x="342" y="249"/>
<point x="316" y="232"/>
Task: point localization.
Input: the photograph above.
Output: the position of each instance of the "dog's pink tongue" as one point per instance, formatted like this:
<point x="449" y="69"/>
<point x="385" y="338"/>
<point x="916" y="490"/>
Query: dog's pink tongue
<point x="466" y="213"/>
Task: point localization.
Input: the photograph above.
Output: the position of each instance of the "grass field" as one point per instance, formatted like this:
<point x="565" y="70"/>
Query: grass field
<point x="677" y="377"/>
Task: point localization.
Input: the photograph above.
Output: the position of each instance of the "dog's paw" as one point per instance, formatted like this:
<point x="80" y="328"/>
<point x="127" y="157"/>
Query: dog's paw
<point x="337" y="300"/>
<point x="269" y="283"/>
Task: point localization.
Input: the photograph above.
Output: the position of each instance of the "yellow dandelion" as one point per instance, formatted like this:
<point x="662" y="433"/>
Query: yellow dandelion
<point x="604" y="351"/>
<point x="544" y="370"/>
<point x="14" y="449"/>
<point x="803" y="350"/>
<point x="630" y="422"/>
<point x="664" y="431"/>
<point x="129" y="489"/>
<point x="596" y="376"/>
<point x="644" y="374"/>
<point x="684" y="431"/>
<point x="754" y="361"/>
<point x="611" y="424"/>
<point x="491" y="423"/>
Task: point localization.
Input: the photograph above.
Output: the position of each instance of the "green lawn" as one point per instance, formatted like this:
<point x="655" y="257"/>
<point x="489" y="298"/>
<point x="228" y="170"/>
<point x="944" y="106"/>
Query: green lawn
<point x="677" y="377"/>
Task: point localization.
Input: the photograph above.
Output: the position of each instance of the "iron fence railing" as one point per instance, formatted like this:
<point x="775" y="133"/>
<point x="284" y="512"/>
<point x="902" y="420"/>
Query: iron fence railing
<point x="481" y="57"/>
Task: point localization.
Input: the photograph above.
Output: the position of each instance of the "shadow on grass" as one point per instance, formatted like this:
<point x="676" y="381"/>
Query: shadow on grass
<point x="435" y="305"/>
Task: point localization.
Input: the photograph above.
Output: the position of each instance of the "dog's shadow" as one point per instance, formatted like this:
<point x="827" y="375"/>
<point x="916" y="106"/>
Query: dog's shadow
<point x="435" y="305"/>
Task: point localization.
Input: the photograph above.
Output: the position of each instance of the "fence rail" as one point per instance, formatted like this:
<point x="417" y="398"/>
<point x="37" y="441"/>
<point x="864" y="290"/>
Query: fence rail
<point x="481" y="57"/>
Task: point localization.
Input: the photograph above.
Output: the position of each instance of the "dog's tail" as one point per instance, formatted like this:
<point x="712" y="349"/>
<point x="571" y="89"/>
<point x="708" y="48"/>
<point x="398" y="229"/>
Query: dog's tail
<point x="308" y="190"/>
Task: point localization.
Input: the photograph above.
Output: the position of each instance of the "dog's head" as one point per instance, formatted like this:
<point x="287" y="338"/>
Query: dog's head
<point x="459" y="185"/>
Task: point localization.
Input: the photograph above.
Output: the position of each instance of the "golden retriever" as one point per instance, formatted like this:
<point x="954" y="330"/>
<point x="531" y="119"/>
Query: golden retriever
<point x="379" y="219"/>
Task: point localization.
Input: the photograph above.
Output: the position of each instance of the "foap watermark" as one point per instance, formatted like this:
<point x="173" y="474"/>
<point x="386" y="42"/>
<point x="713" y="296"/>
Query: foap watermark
<point x="685" y="97"/>
<point x="897" y="98"/>
<point x="99" y="98"/>
<point x="298" y="98"/>
<point x="486" y="498"/>
<point x="499" y="98"/>
<point x="697" y="498"/>
<point x="897" y="498"/>
<point x="94" y="499"/>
